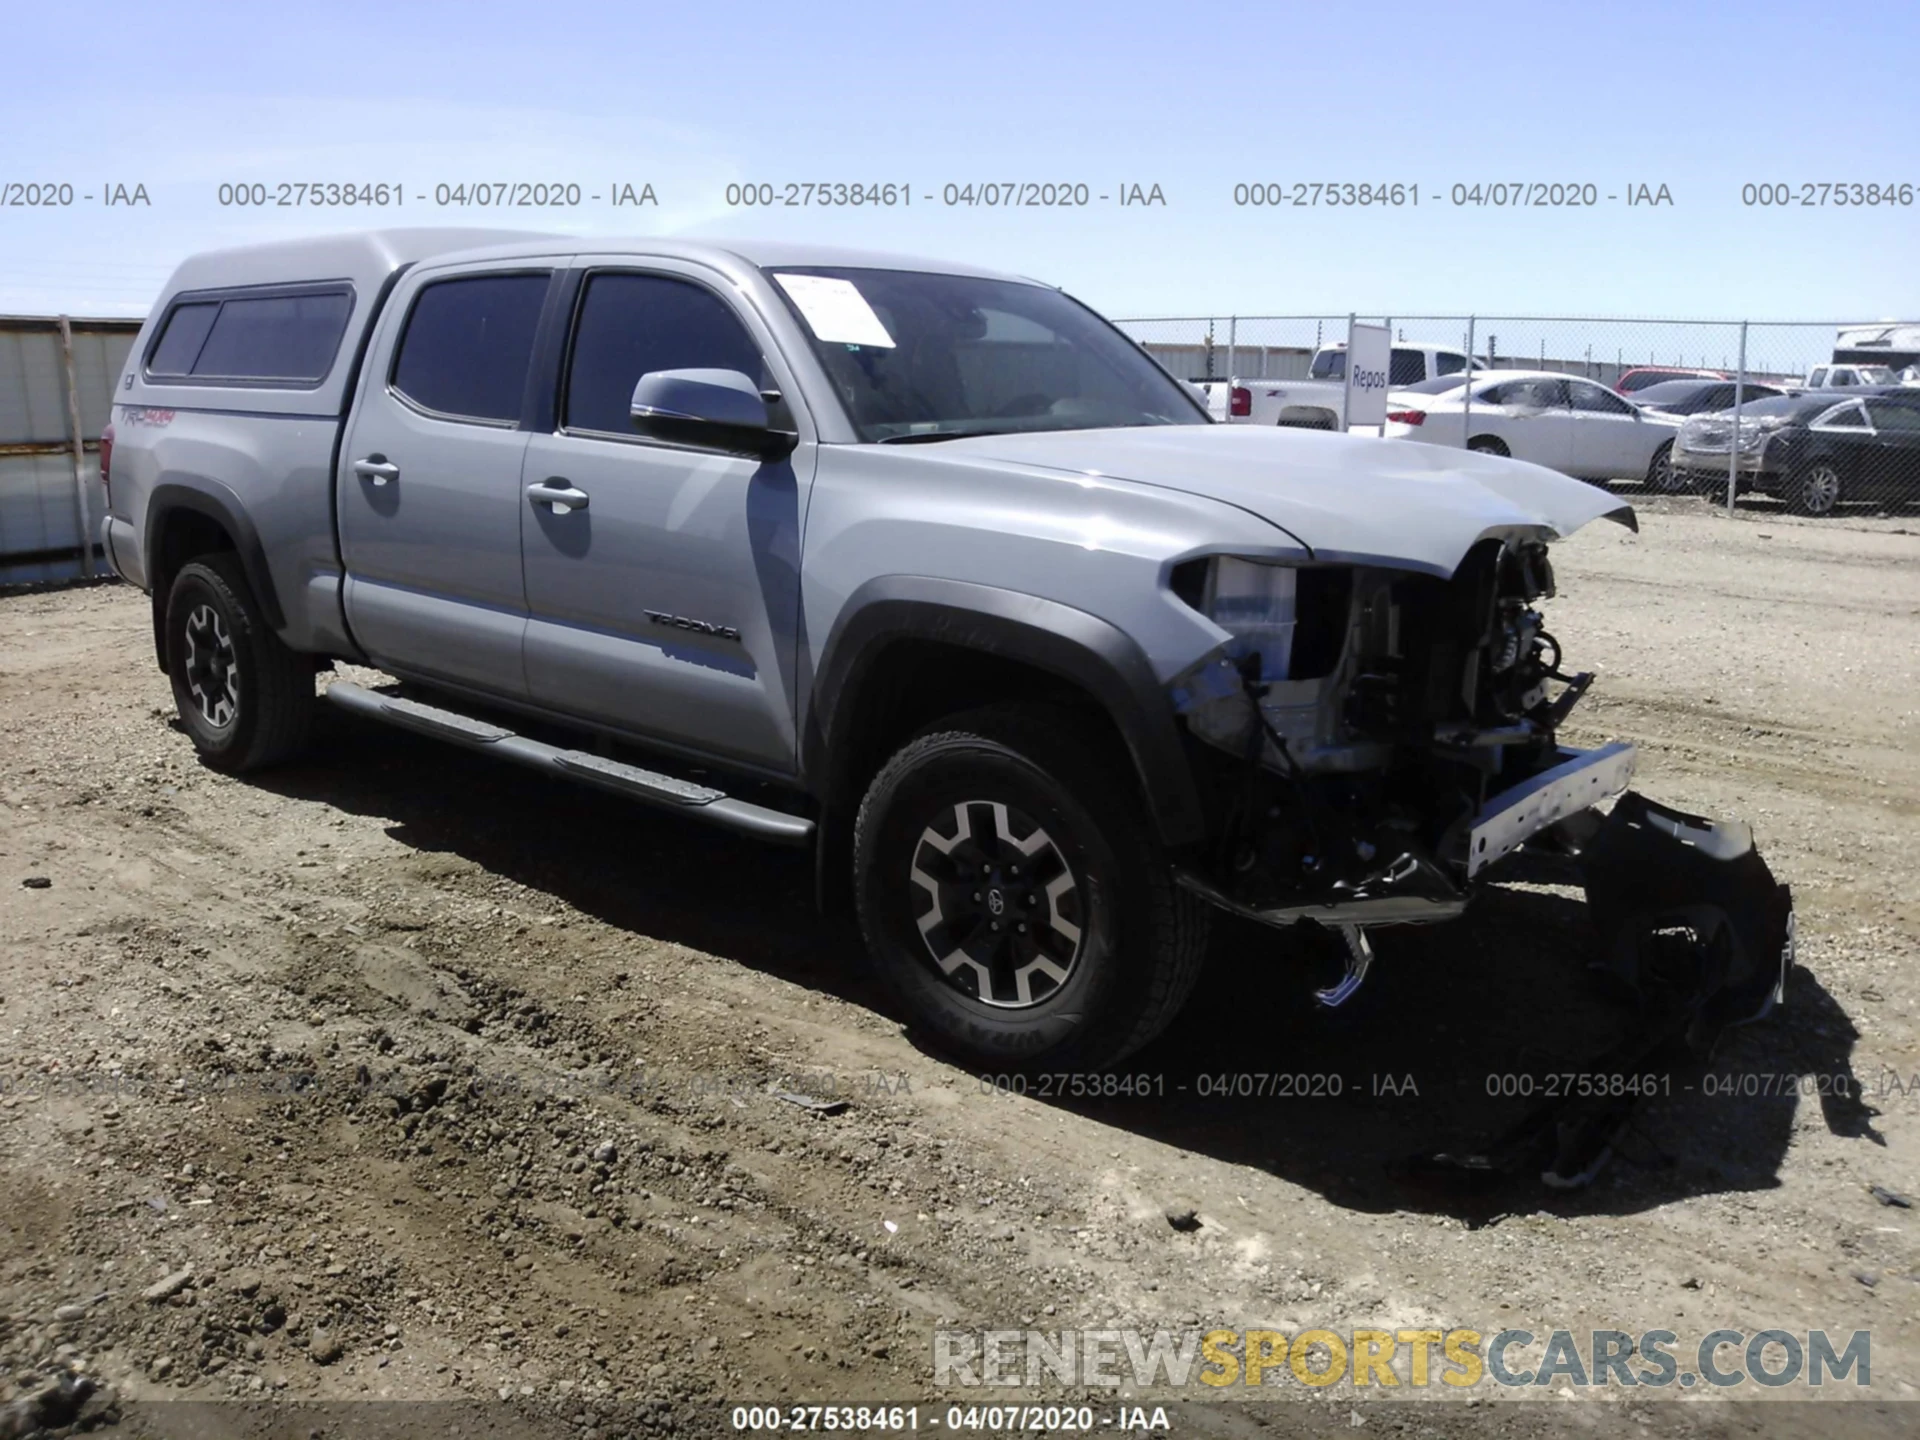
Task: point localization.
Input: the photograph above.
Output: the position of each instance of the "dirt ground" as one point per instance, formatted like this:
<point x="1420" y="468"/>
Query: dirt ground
<point x="412" y="1077"/>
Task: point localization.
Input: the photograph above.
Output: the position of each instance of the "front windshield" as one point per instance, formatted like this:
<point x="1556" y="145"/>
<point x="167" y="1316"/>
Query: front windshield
<point x="1876" y="375"/>
<point x="922" y="356"/>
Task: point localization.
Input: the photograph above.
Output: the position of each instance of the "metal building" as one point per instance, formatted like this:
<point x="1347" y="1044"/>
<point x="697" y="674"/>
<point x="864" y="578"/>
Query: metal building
<point x="56" y="379"/>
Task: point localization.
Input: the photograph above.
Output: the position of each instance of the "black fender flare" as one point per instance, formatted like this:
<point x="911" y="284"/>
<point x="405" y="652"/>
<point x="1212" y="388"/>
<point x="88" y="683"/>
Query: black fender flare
<point x="218" y="503"/>
<point x="1076" y="646"/>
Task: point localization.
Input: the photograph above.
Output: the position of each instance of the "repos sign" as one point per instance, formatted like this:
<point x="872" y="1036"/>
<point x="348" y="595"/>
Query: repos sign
<point x="1369" y="354"/>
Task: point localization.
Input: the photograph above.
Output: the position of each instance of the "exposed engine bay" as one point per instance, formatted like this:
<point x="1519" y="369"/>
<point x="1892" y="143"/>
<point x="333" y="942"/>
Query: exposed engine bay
<point x="1395" y="735"/>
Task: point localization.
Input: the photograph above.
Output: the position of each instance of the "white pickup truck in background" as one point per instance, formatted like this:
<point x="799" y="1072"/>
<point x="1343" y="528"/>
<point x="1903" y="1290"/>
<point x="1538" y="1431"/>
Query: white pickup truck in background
<point x="1319" y="401"/>
<point x="1849" y="377"/>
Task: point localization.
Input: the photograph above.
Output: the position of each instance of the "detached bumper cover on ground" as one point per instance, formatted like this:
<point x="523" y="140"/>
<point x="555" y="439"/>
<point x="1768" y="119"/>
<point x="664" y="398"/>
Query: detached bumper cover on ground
<point x="1651" y="871"/>
<point x="1697" y="932"/>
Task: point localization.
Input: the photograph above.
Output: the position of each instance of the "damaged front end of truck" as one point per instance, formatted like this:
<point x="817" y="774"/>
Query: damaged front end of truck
<point x="1377" y="739"/>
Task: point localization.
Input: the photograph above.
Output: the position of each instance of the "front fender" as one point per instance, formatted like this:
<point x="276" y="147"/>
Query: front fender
<point x="1075" y="646"/>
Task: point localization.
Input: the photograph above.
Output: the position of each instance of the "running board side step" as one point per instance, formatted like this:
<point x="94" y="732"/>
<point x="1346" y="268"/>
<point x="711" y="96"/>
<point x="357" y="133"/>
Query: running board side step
<point x="648" y="787"/>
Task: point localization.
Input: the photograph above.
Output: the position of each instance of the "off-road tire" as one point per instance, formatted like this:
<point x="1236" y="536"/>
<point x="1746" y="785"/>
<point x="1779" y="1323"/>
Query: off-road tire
<point x="267" y="714"/>
<point x="1143" y="936"/>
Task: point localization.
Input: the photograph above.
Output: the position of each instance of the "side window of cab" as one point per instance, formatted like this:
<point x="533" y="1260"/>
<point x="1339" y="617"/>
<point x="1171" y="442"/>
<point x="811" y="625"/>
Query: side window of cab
<point x="631" y="324"/>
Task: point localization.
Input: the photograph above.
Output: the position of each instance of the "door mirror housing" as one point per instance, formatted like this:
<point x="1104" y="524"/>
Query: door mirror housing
<point x="713" y="409"/>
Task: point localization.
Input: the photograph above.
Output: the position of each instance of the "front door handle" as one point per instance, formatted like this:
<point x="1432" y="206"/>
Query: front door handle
<point x="558" y="494"/>
<point x="376" y="469"/>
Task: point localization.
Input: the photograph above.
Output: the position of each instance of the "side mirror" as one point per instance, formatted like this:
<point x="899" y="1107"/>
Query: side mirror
<point x="715" y="409"/>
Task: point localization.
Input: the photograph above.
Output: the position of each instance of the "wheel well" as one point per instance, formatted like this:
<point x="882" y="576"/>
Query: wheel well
<point x="183" y="536"/>
<point x="914" y="683"/>
<point x="1491" y="443"/>
<point x="908" y="688"/>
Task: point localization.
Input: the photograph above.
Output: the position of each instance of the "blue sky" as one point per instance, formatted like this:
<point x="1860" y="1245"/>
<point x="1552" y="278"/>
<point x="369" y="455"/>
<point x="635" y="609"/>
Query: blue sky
<point x="1193" y="98"/>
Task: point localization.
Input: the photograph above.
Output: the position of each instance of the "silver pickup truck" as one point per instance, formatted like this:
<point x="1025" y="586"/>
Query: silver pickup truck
<point x="928" y="568"/>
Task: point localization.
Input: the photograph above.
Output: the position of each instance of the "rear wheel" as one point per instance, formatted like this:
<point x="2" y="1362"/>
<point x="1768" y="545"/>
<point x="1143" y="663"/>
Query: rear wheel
<point x="244" y="698"/>
<point x="1012" y="897"/>
<point x="1816" y="489"/>
<point x="1488" y="445"/>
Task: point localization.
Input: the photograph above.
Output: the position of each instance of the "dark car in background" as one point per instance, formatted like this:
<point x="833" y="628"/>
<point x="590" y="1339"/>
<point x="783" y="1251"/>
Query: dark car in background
<point x="1698" y="397"/>
<point x="1814" y="450"/>
<point x="1641" y="376"/>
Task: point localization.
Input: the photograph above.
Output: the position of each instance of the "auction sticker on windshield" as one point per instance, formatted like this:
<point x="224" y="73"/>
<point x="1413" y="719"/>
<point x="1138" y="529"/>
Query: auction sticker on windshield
<point x="835" y="310"/>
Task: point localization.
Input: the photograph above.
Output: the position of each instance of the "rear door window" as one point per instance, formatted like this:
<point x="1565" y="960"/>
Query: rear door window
<point x="1530" y="394"/>
<point x="288" y="338"/>
<point x="468" y="345"/>
<point x="1588" y="396"/>
<point x="1901" y="415"/>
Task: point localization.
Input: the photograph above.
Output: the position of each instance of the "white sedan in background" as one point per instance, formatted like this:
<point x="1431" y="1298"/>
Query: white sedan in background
<point x="1575" y="426"/>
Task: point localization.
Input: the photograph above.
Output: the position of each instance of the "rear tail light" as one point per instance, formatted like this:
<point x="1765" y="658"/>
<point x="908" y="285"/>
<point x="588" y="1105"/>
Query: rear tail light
<point x="106" y="464"/>
<point x="1239" y="401"/>
<point x="1407" y="417"/>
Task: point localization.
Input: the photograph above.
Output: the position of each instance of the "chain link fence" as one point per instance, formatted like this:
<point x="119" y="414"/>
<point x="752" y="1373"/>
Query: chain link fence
<point x="1783" y="447"/>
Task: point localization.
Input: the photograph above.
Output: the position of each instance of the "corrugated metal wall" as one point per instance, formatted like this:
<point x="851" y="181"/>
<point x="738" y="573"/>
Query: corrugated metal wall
<point x="39" y="520"/>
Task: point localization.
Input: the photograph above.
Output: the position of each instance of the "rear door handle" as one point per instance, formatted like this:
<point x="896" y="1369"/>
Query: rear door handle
<point x="376" y="469"/>
<point x="558" y="494"/>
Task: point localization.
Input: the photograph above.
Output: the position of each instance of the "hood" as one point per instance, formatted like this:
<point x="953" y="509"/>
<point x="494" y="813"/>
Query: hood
<point x="1355" y="499"/>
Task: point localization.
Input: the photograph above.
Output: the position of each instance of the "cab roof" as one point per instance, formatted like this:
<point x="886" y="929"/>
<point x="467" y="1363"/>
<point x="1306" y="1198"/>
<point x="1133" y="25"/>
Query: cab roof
<point x="368" y="255"/>
<point x="758" y="252"/>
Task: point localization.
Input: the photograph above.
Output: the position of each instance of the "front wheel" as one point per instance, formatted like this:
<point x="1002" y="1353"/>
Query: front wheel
<point x="1012" y="897"/>
<point x="1816" y="489"/>
<point x="1661" y="476"/>
<point x="244" y="698"/>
